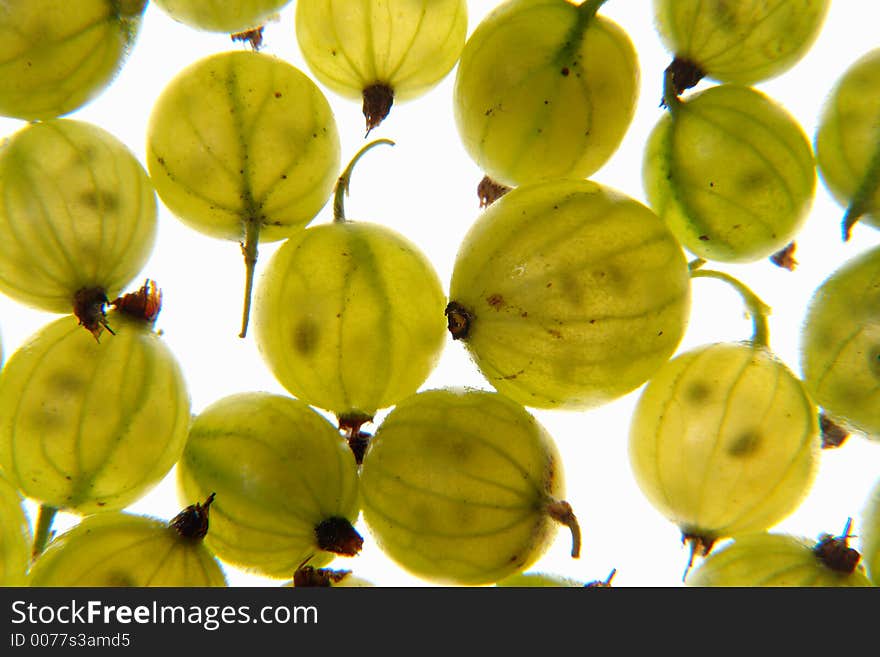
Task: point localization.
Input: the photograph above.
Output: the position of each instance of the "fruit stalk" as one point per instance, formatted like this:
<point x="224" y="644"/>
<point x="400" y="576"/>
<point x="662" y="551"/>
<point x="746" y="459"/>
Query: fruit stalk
<point x="757" y="309"/>
<point x="341" y="189"/>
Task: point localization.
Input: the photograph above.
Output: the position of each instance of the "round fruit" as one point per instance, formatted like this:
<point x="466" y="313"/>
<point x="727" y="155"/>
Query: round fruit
<point x="545" y="89"/>
<point x="840" y="345"/>
<point x="286" y="483"/>
<point x="724" y="441"/>
<point x="381" y="50"/>
<point x="57" y="56"/>
<point x="88" y="426"/>
<point x="847" y="138"/>
<point x="243" y="146"/>
<point x="731" y="172"/>
<point x="15" y="537"/>
<point x="121" y="549"/>
<point x="781" y="560"/>
<point x="350" y="315"/>
<point x="568" y="294"/>
<point x="221" y="15"/>
<point x="463" y="487"/>
<point x="869" y="537"/>
<point x="744" y="42"/>
<point x="78" y="212"/>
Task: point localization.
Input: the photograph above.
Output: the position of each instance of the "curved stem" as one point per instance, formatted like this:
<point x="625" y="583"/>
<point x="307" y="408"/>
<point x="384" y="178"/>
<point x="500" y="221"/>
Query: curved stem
<point x="757" y="308"/>
<point x="249" y="250"/>
<point x="858" y="206"/>
<point x="43" y="530"/>
<point x="562" y="512"/>
<point x="341" y="189"/>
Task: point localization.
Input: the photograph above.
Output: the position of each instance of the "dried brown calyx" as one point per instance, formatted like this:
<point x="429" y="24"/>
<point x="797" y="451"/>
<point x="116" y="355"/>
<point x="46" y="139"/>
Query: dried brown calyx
<point x="784" y="258"/>
<point x="458" y="320"/>
<point x="310" y="576"/>
<point x="490" y="191"/>
<point x="253" y="36"/>
<point x="192" y="522"/>
<point x="338" y="536"/>
<point x="358" y="440"/>
<point x="90" y="307"/>
<point x="145" y="304"/>
<point x="684" y="74"/>
<point x="833" y="435"/>
<point x="835" y="552"/>
<point x="700" y="545"/>
<point x="602" y="584"/>
<point x="378" y="99"/>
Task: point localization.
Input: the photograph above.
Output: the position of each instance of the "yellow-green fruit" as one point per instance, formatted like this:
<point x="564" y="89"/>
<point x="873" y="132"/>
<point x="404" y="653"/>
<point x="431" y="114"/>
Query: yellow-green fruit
<point x="349" y="317"/>
<point x="840" y="344"/>
<point x="847" y="138"/>
<point x="282" y="475"/>
<point x="15" y="537"/>
<point x="545" y="89"/>
<point x="221" y="15"/>
<point x="538" y="580"/>
<point x="77" y="211"/>
<point x="462" y="486"/>
<point x="746" y="41"/>
<point x="571" y="294"/>
<point x="56" y="56"/>
<point x="88" y="426"/>
<point x="121" y="549"/>
<point x="765" y="559"/>
<point x="724" y="441"/>
<point x="869" y="536"/>
<point x="731" y="172"/>
<point x="402" y="46"/>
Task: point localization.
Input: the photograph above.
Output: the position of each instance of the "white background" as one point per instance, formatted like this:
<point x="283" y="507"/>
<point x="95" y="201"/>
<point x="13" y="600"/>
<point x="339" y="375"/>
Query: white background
<point x="425" y="188"/>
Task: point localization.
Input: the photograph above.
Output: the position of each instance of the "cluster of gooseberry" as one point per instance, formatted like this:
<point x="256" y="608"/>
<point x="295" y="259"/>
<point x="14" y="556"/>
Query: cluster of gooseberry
<point x="568" y="295"/>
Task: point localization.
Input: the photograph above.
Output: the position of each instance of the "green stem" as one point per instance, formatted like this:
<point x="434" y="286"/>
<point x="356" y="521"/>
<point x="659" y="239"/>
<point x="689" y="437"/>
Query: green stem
<point x="249" y="250"/>
<point x="45" y="517"/>
<point x="670" y="98"/>
<point x="589" y="8"/>
<point x="858" y="207"/>
<point x="757" y="308"/>
<point x="341" y="189"/>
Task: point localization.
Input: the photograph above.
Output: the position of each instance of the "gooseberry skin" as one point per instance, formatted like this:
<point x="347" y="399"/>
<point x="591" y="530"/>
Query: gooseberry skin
<point x="455" y="485"/>
<point x="57" y="56"/>
<point x="743" y="42"/>
<point x="243" y="137"/>
<point x="840" y="349"/>
<point x="732" y="174"/>
<point x="544" y="91"/>
<point x="577" y="294"/>
<point x="221" y="15"/>
<point x="88" y="426"/>
<point x="15" y="537"/>
<point x="848" y="133"/>
<point x="538" y="580"/>
<point x="78" y="211"/>
<point x="279" y="469"/>
<point x="122" y="549"/>
<point x="765" y="559"/>
<point x="349" y="317"/>
<point x="724" y="441"/>
<point x="407" y="45"/>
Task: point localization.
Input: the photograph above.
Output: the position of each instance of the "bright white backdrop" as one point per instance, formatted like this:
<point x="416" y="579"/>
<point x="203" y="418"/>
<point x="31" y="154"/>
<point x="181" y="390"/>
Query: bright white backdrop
<point x="425" y="188"/>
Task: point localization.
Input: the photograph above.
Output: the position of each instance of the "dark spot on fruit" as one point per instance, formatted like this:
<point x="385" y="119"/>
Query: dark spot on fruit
<point x="549" y="284"/>
<point x="556" y="334"/>
<point x="524" y="314"/>
<point x="697" y="392"/>
<point x="283" y="176"/>
<point x="333" y="52"/>
<point x="874" y="361"/>
<point x="66" y="383"/>
<point x="704" y="238"/>
<point x="711" y="184"/>
<point x="546" y="102"/>
<point x="305" y="336"/>
<point x="659" y="333"/>
<point x="495" y="300"/>
<point x="277" y="94"/>
<point x="744" y="444"/>
<point x="565" y="71"/>
<point x="100" y="198"/>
